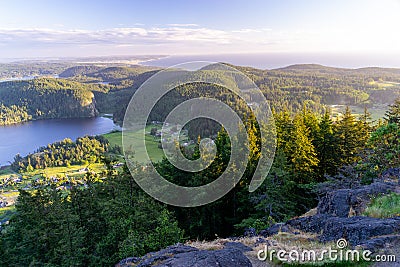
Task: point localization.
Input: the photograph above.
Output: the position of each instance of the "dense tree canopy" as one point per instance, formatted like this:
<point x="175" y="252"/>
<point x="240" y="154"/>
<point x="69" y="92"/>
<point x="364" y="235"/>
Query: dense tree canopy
<point x="103" y="222"/>
<point x="97" y="225"/>
<point x="44" y="99"/>
<point x="90" y="88"/>
<point x="84" y="150"/>
<point x="109" y="217"/>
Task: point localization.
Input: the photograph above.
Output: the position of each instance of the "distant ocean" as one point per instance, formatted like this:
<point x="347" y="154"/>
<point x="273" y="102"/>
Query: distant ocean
<point x="279" y="60"/>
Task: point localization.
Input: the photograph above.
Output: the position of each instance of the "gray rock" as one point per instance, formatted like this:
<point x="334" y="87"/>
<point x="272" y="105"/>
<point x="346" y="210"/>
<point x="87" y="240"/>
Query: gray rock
<point x="332" y="221"/>
<point x="236" y="245"/>
<point x="336" y="203"/>
<point x="217" y="258"/>
<point x="381" y="242"/>
<point x="250" y="232"/>
<point x="341" y="202"/>
<point x="185" y="256"/>
<point x="128" y="261"/>
<point x="274" y="229"/>
<point x="261" y="240"/>
<point x="152" y="257"/>
<point x="310" y="224"/>
<point x="358" y="230"/>
<point x="391" y="173"/>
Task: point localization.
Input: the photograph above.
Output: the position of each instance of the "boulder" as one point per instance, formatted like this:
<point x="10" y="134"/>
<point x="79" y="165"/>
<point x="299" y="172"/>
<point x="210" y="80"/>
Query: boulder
<point x="216" y="258"/>
<point x="186" y="256"/>
<point x="359" y="229"/>
<point x="274" y="229"/>
<point x="338" y="216"/>
<point x="352" y="202"/>
<point x="236" y="245"/>
<point x="381" y="242"/>
<point x="391" y="173"/>
<point x="310" y="224"/>
<point x="250" y="232"/>
<point x="153" y="257"/>
<point x="128" y="261"/>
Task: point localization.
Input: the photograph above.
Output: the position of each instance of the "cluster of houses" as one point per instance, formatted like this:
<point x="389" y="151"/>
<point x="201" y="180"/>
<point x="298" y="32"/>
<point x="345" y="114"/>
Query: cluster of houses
<point x="11" y="180"/>
<point x="120" y="164"/>
<point x="170" y="134"/>
<point x="3" y="204"/>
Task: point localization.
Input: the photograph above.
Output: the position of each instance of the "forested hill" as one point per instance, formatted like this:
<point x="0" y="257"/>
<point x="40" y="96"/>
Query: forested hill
<point x="119" y="76"/>
<point x="78" y="71"/>
<point x="85" y="89"/>
<point x="367" y="71"/>
<point x="314" y="85"/>
<point x="46" y="98"/>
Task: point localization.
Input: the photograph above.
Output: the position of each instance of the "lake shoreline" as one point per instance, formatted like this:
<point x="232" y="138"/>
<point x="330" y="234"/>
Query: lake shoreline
<point x="27" y="137"/>
<point x="60" y="118"/>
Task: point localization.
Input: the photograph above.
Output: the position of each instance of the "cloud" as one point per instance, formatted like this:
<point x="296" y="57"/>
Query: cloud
<point x="186" y="39"/>
<point x="252" y="30"/>
<point x="183" y="25"/>
<point x="126" y="36"/>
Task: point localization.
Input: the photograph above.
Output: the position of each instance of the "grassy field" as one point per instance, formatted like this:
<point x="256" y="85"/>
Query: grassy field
<point x="6" y="173"/>
<point x="155" y="153"/>
<point x="384" y="206"/>
<point x="6" y="212"/>
<point x="48" y="172"/>
<point x="377" y="112"/>
<point x="61" y="171"/>
<point x="9" y="193"/>
<point x="10" y="197"/>
<point x="383" y="84"/>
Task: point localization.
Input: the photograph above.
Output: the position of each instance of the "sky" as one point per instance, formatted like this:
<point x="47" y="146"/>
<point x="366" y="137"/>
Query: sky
<point x="41" y="28"/>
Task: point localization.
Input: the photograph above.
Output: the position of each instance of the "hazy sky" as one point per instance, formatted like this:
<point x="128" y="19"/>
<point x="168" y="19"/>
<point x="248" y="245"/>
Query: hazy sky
<point x="89" y="28"/>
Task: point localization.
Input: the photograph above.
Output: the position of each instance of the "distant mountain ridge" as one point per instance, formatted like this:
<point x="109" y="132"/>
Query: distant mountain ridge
<point x="318" y="67"/>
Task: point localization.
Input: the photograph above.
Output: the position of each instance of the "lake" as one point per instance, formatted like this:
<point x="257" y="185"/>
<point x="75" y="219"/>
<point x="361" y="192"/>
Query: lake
<point x="28" y="137"/>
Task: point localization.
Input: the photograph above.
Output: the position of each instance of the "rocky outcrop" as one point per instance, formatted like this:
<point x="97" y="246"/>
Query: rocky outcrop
<point x="186" y="256"/>
<point x="338" y="216"/>
<point x="381" y="242"/>
<point x="356" y="230"/>
<point x="352" y="202"/>
<point x="391" y="173"/>
<point x="276" y="228"/>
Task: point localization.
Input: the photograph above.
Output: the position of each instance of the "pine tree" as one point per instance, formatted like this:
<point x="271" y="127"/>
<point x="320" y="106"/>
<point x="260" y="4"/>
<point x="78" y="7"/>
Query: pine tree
<point x="386" y="148"/>
<point x="364" y="127"/>
<point x="393" y="114"/>
<point x="284" y="130"/>
<point x="326" y="147"/>
<point x="302" y="152"/>
<point x="310" y="119"/>
<point x="348" y="136"/>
